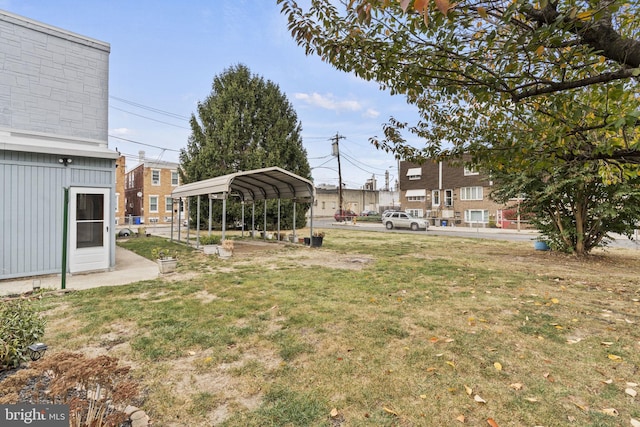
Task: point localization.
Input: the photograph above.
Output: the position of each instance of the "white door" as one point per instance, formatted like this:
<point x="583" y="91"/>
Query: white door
<point x="88" y="229"/>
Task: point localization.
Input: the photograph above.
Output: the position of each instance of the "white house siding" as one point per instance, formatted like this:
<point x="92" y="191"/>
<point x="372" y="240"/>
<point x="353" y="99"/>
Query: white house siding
<point x="53" y="105"/>
<point x="52" y="81"/>
<point x="31" y="214"/>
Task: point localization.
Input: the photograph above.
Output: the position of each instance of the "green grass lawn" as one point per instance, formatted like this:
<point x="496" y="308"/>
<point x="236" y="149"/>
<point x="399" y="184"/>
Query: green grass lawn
<point x="372" y="329"/>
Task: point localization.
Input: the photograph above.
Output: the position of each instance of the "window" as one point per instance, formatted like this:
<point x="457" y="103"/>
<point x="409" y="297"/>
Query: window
<point x="471" y="193"/>
<point x="414" y="173"/>
<point x="174" y="178"/>
<point x="324" y="205"/>
<point x="435" y="198"/>
<point x="168" y="204"/>
<point x="448" y="198"/>
<point x="153" y="203"/>
<point x="476" y="215"/>
<point x="416" y="195"/>
<point x="415" y="212"/>
<point x="155" y="177"/>
<point x="470" y="171"/>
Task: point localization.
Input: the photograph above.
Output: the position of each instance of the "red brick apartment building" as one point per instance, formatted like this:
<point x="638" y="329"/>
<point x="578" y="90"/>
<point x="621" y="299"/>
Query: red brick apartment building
<point x="448" y="194"/>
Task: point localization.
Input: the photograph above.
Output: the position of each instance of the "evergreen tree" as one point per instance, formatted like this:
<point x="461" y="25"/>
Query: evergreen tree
<point x="245" y="123"/>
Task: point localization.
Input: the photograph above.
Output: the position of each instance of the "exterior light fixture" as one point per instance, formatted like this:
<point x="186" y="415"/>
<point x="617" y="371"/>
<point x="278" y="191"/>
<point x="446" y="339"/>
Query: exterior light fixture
<point x="36" y="351"/>
<point x="65" y="160"/>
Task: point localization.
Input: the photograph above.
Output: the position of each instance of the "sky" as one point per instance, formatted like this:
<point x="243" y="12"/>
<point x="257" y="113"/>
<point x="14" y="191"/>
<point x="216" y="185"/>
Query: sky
<point x="165" y="55"/>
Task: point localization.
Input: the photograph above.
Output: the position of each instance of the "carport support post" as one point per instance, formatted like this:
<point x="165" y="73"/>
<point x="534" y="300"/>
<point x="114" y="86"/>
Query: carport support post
<point x="188" y="218"/>
<point x="253" y="219"/>
<point x="224" y="215"/>
<point x="198" y="223"/>
<point x="279" y="238"/>
<point x="65" y="226"/>
<point x="264" y="234"/>
<point x="242" y="204"/>
<point x="210" y="212"/>
<point x="294" y="218"/>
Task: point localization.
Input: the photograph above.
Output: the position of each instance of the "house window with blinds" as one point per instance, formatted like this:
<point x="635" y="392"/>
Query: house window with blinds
<point x="416" y="195"/>
<point x="414" y="173"/>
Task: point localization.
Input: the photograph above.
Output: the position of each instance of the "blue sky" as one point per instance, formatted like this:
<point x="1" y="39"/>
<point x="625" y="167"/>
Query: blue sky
<point x="165" y="54"/>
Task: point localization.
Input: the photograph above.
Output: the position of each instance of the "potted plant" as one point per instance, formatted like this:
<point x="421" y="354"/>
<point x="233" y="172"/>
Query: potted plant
<point x="210" y="244"/>
<point x="167" y="263"/>
<point x="225" y="250"/>
<point x="316" y="239"/>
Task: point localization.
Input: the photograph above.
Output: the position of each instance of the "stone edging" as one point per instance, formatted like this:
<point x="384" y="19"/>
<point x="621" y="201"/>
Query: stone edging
<point x="137" y="416"/>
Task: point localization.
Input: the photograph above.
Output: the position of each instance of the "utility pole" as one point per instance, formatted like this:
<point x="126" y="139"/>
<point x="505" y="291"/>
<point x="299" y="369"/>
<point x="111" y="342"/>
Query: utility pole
<point x="335" y="150"/>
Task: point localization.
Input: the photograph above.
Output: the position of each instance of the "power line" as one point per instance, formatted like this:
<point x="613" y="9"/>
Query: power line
<point x="149" y="118"/>
<point x="145" y="144"/>
<point x="146" y="107"/>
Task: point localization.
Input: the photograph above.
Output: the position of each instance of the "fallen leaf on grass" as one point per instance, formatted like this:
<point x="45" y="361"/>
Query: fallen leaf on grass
<point x="468" y="390"/>
<point x="516" y="386"/>
<point x="334" y="413"/>
<point x="498" y="366"/>
<point x="614" y="357"/>
<point x="450" y="363"/>
<point x="631" y="392"/>
<point x="606" y="343"/>
<point x="608" y="381"/>
<point x="632" y="384"/>
<point x="479" y="399"/>
<point x="635" y="423"/>
<point x="610" y="411"/>
<point x="531" y="399"/>
<point x="491" y="422"/>
<point x="460" y="418"/>
<point x="390" y="411"/>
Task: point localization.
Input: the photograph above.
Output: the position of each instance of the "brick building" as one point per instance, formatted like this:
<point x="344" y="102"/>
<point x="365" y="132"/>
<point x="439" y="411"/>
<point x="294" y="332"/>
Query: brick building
<point x="147" y="192"/>
<point x="447" y="194"/>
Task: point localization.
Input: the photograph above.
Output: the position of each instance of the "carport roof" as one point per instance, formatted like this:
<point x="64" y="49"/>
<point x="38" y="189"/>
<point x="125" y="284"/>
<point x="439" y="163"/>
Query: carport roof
<point x="257" y="184"/>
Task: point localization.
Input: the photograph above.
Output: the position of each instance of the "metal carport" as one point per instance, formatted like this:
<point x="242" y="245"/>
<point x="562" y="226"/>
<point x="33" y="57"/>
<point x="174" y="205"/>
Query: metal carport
<point x="250" y="186"/>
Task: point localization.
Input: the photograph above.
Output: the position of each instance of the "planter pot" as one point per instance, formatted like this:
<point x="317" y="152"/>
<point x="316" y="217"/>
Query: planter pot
<point x="210" y="249"/>
<point x="301" y="240"/>
<point x="167" y="265"/>
<point x="540" y="246"/>
<point x="316" y="241"/>
<point x="307" y="241"/>
<point x="224" y="253"/>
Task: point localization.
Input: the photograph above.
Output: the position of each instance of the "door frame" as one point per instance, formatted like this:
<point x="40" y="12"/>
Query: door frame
<point x="94" y="257"/>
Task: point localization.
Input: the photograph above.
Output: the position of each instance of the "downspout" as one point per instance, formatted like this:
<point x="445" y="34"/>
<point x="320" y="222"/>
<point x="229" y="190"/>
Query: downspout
<point x="65" y="229"/>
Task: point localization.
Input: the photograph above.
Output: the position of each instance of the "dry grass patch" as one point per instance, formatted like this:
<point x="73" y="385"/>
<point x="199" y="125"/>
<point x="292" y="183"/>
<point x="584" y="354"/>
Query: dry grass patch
<point x="388" y="330"/>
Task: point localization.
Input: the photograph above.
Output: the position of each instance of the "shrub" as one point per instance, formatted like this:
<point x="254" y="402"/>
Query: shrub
<point x="20" y="326"/>
<point x="210" y="240"/>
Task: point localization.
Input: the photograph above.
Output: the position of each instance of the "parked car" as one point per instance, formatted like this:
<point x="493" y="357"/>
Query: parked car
<point x="404" y="220"/>
<point x="369" y="213"/>
<point x="344" y="215"/>
<point x="389" y="211"/>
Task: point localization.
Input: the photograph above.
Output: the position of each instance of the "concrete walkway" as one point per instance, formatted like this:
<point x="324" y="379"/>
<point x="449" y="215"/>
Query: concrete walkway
<point x="130" y="268"/>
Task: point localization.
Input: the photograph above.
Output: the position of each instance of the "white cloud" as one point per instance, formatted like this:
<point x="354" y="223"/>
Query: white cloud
<point x="328" y="102"/>
<point x="121" y="131"/>
<point x="371" y="113"/>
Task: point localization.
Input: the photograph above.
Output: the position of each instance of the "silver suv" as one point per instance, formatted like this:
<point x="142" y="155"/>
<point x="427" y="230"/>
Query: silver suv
<point x="404" y="220"/>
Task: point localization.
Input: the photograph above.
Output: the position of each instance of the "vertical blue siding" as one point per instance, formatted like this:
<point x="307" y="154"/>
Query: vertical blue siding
<point x="31" y="208"/>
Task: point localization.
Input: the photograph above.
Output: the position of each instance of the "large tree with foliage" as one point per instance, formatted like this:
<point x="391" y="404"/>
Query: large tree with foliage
<point x="245" y="123"/>
<point x="470" y="66"/>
